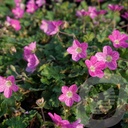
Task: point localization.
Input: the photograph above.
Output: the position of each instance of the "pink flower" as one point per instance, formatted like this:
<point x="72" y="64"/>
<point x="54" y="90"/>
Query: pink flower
<point x="50" y="27"/>
<point x="58" y="120"/>
<point x="7" y="85"/>
<point x="69" y="95"/>
<point x="76" y="124"/>
<point x="115" y="7"/>
<point x="32" y="63"/>
<point x="92" y="12"/>
<point x="119" y="39"/>
<point x="30" y="57"/>
<point x="78" y="50"/>
<point x="125" y="15"/>
<point x="18" y="12"/>
<point x="40" y="2"/>
<point x="29" y="50"/>
<point x="31" y="6"/>
<point x="101" y="12"/>
<point x="14" y="23"/>
<point x="95" y="67"/>
<point x="81" y="13"/>
<point x="109" y="57"/>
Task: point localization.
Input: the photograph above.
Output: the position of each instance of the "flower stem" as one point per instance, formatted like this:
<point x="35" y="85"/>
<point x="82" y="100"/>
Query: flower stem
<point x="84" y="24"/>
<point x="42" y="112"/>
<point x="64" y="33"/>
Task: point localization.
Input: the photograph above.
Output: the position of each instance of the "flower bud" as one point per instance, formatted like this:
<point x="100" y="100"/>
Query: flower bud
<point x="65" y="25"/>
<point x="13" y="68"/>
<point x="40" y="102"/>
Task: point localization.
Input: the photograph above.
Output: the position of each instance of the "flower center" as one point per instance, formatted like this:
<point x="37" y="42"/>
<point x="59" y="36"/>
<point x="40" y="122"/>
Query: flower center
<point x="69" y="94"/>
<point x="108" y="58"/>
<point x="33" y="51"/>
<point x="92" y="68"/>
<point x="78" y="50"/>
<point x="116" y="42"/>
<point x="8" y="83"/>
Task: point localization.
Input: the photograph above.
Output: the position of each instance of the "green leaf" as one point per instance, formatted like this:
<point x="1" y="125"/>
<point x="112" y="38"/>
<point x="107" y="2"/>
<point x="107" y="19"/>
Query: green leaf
<point x="20" y="121"/>
<point x="89" y="37"/>
<point x="50" y="15"/>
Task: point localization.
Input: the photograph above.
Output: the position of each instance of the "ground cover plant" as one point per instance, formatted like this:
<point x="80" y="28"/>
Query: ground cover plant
<point x="60" y="60"/>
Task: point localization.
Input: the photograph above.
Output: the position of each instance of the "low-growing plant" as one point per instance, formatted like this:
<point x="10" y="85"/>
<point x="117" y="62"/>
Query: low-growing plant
<point x="61" y="63"/>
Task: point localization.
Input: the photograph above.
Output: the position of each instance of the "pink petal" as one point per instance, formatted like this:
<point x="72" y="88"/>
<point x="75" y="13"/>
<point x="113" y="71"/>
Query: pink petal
<point x="15" y="24"/>
<point x="69" y="102"/>
<point x="76" y="43"/>
<point x="99" y="73"/>
<point x="124" y="45"/>
<point x="73" y="88"/>
<point x="32" y="46"/>
<point x="93" y="59"/>
<point x="50" y="114"/>
<point x="112" y="65"/>
<point x="107" y="50"/>
<point x="7" y="92"/>
<point x="52" y="117"/>
<point x="32" y="63"/>
<point x="82" y="55"/>
<point x="12" y="79"/>
<point x="115" y="55"/>
<point x="2" y="81"/>
<point x="116" y="34"/>
<point x="76" y="98"/>
<point x="80" y="126"/>
<point x="52" y="29"/>
<point x="71" y="50"/>
<point x="57" y="23"/>
<point x="31" y="70"/>
<point x="27" y="53"/>
<point x="77" y="124"/>
<point x="77" y="121"/>
<point x="2" y="87"/>
<point x="64" y="89"/>
<point x="92" y="73"/>
<point x="62" y="97"/>
<point x="88" y="63"/>
<point x="57" y="117"/>
<point x="100" y="65"/>
<point x="75" y="57"/>
<point x="14" y="88"/>
<point x="44" y="25"/>
<point x="84" y="46"/>
<point x="65" y="122"/>
<point x="8" y="19"/>
<point x="111" y="38"/>
<point x="100" y="56"/>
